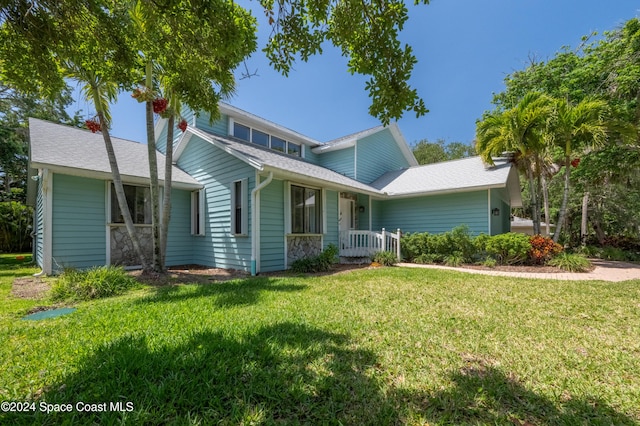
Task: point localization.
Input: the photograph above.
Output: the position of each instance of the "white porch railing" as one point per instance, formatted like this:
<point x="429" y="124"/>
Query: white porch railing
<point x="367" y="243"/>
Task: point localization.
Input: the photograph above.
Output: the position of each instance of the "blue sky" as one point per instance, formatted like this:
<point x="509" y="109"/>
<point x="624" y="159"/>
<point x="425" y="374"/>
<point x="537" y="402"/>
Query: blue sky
<point x="464" y="48"/>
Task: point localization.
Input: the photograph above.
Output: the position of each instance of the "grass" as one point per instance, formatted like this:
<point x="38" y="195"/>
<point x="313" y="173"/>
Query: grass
<point x="379" y="346"/>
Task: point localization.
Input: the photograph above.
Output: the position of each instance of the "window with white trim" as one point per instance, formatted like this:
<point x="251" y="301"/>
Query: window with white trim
<point x="197" y="212"/>
<point x="138" y="201"/>
<point x="239" y="210"/>
<point x="266" y="140"/>
<point x="306" y="210"/>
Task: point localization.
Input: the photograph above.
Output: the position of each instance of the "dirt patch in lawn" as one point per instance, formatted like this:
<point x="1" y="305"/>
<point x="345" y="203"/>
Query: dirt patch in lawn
<point x="30" y="288"/>
<point x="190" y="274"/>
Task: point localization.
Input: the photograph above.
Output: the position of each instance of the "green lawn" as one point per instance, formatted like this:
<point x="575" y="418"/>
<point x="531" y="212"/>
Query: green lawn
<point x="381" y="346"/>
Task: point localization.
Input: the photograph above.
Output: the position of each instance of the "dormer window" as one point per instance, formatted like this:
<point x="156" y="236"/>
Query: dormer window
<point x="266" y="140"/>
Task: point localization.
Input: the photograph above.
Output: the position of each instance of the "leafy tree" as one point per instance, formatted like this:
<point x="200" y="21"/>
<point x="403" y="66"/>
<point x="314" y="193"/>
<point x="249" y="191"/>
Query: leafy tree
<point x="15" y="109"/>
<point x="521" y="132"/>
<point x="434" y="152"/>
<point x="607" y="69"/>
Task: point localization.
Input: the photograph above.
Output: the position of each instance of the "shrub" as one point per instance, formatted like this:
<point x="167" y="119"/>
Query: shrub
<point x="614" y="253"/>
<point x="93" y="283"/>
<point x="509" y="249"/>
<point x="385" y="258"/>
<point x="570" y="262"/>
<point x="543" y="249"/>
<point x="414" y="245"/>
<point x="428" y="258"/>
<point x="489" y="262"/>
<point x="319" y="263"/>
<point x="454" y="259"/>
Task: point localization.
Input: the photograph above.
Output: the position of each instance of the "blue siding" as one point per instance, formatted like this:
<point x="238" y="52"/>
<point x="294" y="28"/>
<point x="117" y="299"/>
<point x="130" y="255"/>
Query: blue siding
<point x="217" y="171"/>
<point x="376" y="214"/>
<point x="180" y="241"/>
<point x="363" y="217"/>
<point x="437" y="213"/>
<point x="79" y="222"/>
<point x="502" y="223"/>
<point x="331" y="207"/>
<point x="38" y="241"/>
<point x="218" y="127"/>
<point x="312" y="157"/>
<point x="341" y="161"/>
<point x="376" y="155"/>
<point x="161" y="139"/>
<point x="272" y="256"/>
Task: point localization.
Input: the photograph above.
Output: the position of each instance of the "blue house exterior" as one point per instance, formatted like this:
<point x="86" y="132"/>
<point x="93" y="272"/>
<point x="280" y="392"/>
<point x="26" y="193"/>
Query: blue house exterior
<point x="252" y="195"/>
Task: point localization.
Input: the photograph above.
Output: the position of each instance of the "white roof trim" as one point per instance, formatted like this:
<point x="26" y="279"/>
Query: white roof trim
<point x="288" y="175"/>
<point x="445" y="191"/>
<point x="213" y="141"/>
<point x="350" y="140"/>
<point x="94" y="174"/>
<point x="263" y="124"/>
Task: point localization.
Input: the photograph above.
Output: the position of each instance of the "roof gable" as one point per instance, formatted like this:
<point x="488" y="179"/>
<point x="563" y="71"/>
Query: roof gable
<point x="79" y="152"/>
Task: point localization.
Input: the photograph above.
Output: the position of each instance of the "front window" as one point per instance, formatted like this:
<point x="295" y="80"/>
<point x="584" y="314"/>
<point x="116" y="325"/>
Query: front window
<point x="306" y="210"/>
<point x="239" y="210"/>
<point x="278" y="144"/>
<point x="241" y="131"/>
<point x="139" y="202"/>
<point x="294" y="149"/>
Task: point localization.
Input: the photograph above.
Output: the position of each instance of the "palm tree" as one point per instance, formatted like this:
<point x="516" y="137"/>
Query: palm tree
<point x="519" y="131"/>
<point x="575" y="128"/>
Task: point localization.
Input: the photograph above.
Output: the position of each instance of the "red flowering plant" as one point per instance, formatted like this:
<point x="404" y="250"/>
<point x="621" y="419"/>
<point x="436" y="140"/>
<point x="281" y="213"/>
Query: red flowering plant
<point x="543" y="249"/>
<point x="93" y="124"/>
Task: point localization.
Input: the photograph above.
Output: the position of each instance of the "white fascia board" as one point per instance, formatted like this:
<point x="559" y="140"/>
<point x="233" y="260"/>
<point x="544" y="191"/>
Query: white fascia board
<point x="513" y="187"/>
<point x="214" y="141"/>
<point x="347" y="143"/>
<point x="126" y="179"/>
<point x="391" y="195"/>
<point x="402" y="143"/>
<point x="263" y="124"/>
<point x="157" y="128"/>
<point x="287" y="175"/>
<point x="181" y="145"/>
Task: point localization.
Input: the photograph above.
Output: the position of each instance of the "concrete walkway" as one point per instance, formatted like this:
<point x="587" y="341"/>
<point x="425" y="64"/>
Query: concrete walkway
<point x="605" y="270"/>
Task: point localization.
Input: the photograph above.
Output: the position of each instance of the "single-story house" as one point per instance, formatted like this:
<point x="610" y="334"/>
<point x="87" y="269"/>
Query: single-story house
<point x="253" y="195"/>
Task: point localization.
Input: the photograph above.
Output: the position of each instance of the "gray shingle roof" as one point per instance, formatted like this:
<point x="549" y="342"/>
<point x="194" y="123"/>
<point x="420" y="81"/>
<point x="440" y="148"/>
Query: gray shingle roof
<point x="448" y="176"/>
<point x="266" y="158"/>
<point x="81" y="152"/>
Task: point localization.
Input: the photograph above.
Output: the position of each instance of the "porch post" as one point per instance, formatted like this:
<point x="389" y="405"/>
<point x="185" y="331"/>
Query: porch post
<point x="398" y="246"/>
<point x="384" y="240"/>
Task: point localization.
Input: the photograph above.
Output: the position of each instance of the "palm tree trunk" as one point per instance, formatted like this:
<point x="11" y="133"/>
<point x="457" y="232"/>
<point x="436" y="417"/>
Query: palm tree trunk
<point x="156" y="263"/>
<point x="545" y="195"/>
<point x="166" y="206"/>
<point x="565" y="199"/>
<point x="117" y="183"/>
<point x="534" y="200"/>
<point x="583" y="224"/>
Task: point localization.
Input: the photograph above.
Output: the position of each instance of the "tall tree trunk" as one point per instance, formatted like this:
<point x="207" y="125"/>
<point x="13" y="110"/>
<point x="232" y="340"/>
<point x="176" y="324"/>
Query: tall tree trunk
<point x="534" y="200"/>
<point x="117" y="182"/>
<point x="583" y="224"/>
<point x="565" y="199"/>
<point x="156" y="264"/>
<point x="545" y="196"/>
<point x="166" y="206"/>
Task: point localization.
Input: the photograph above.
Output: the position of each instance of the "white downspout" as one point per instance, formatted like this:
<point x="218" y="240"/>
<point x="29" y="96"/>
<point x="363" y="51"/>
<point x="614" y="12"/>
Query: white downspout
<point x="255" y="226"/>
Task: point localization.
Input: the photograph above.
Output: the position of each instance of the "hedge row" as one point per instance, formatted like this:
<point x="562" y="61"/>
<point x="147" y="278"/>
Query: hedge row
<point x="459" y="246"/>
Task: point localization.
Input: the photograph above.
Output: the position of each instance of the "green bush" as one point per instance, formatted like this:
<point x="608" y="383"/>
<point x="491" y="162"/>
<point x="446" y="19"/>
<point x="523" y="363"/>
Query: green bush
<point x="319" y="263"/>
<point x="489" y="262"/>
<point x="414" y="245"/>
<point x="93" y="283"/>
<point x="454" y="259"/>
<point x="15" y="226"/>
<point x="509" y="249"/>
<point x="570" y="262"/>
<point x="428" y="258"/>
<point x="385" y="258"/>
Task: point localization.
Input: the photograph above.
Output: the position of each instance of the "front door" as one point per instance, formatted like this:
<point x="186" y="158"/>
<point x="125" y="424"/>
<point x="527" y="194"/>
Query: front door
<point x="346" y="218"/>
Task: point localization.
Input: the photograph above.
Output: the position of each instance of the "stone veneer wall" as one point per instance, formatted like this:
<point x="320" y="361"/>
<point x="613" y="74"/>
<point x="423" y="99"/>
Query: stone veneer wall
<point x="122" y="252"/>
<point x="299" y="246"/>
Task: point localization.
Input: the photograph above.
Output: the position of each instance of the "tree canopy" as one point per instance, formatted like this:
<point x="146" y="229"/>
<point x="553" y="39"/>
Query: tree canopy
<point x="595" y="90"/>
